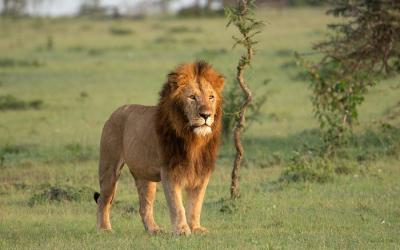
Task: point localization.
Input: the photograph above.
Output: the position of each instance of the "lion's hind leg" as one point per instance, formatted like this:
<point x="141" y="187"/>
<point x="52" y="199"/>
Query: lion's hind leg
<point x="147" y="193"/>
<point x="108" y="187"/>
<point x="110" y="166"/>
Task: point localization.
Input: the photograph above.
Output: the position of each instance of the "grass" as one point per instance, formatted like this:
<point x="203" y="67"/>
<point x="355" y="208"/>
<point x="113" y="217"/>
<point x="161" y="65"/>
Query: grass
<point x="51" y="153"/>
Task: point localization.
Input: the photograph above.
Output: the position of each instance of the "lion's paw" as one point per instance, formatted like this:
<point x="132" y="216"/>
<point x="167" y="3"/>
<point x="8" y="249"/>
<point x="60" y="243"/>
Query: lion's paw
<point x="155" y="231"/>
<point x="105" y="230"/>
<point x="182" y="230"/>
<point x="200" y="230"/>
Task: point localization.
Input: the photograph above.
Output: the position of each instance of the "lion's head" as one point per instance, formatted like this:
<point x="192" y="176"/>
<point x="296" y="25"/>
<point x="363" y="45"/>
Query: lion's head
<point x="191" y="99"/>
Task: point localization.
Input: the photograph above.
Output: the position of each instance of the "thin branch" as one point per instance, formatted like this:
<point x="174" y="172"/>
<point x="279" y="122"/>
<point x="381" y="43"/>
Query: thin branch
<point x="246" y="26"/>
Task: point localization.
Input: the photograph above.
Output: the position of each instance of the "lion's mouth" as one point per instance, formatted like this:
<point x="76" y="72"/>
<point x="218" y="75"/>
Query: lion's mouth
<point x="200" y="126"/>
<point x="202" y="130"/>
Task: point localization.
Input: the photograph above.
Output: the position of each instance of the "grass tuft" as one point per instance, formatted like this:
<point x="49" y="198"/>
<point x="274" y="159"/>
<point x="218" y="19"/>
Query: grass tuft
<point x="78" y="152"/>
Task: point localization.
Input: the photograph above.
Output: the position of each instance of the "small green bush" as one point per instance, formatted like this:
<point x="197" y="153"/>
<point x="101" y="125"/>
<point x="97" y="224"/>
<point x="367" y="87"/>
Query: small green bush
<point x="306" y="168"/>
<point x="119" y="31"/>
<point x="10" y="102"/>
<point x="10" y="62"/>
<point x="179" y="29"/>
<point x="165" y="39"/>
<point x="57" y="194"/>
<point x="284" y="52"/>
<point x="228" y="206"/>
<point x="184" y="29"/>
<point x="95" y="52"/>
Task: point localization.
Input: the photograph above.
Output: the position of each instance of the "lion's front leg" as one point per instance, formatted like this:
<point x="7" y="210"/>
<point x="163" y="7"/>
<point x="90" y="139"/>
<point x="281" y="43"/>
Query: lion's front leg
<point x="147" y="193"/>
<point x="173" y="194"/>
<point x="195" y="203"/>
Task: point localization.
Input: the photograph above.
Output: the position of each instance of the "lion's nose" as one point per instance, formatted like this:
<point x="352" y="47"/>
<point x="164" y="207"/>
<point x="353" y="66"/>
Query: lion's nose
<point x="205" y="115"/>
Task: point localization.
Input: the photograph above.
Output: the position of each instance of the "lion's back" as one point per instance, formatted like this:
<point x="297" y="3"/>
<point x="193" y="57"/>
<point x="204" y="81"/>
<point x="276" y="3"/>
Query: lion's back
<point x="130" y="115"/>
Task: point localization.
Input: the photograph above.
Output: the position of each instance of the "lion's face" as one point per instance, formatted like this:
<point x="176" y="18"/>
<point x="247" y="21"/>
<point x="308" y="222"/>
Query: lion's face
<point x="199" y="105"/>
<point x="191" y="99"/>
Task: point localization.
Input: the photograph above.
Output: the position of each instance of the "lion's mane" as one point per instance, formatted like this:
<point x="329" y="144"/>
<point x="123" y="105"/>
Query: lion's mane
<point x="187" y="156"/>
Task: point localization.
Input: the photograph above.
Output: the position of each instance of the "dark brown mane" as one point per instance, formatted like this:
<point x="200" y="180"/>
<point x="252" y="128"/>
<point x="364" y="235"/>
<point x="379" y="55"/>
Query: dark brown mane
<point x="187" y="156"/>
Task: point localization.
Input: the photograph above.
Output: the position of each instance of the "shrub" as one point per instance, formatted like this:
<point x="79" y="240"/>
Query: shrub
<point x="184" y="29"/>
<point x="57" y="194"/>
<point x="165" y="39"/>
<point x="362" y="48"/>
<point x="119" y="31"/>
<point x="228" y="206"/>
<point x="95" y="52"/>
<point x="10" y="102"/>
<point x="10" y="62"/>
<point x="306" y="168"/>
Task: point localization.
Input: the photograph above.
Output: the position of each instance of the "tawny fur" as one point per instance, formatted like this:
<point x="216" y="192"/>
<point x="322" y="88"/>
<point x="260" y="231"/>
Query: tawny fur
<point x="174" y="142"/>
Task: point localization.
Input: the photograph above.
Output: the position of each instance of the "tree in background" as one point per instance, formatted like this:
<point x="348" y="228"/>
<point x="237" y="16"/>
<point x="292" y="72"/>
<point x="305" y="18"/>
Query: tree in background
<point x="279" y="3"/>
<point x="208" y="5"/>
<point x="362" y="49"/>
<point x="201" y="8"/>
<point x="165" y="6"/>
<point x="13" y="7"/>
<point x="243" y="17"/>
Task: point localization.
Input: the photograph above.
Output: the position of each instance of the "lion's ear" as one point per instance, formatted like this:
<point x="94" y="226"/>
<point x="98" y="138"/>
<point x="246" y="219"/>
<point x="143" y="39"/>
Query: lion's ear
<point x="173" y="79"/>
<point x="176" y="80"/>
<point x="218" y="83"/>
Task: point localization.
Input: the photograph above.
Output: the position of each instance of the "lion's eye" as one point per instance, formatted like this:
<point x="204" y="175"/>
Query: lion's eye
<point x="211" y="97"/>
<point x="193" y="97"/>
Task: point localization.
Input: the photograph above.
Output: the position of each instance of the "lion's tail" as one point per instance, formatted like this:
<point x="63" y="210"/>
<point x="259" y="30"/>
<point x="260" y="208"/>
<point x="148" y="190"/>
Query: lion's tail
<point x="96" y="196"/>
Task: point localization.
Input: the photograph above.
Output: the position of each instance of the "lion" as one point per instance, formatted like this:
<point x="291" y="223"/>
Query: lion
<point x="174" y="142"/>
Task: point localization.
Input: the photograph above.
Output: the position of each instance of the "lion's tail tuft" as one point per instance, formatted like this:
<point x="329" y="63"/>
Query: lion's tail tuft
<point x="96" y="196"/>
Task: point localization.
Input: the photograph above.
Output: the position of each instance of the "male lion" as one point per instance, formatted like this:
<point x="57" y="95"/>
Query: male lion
<point x="174" y="142"/>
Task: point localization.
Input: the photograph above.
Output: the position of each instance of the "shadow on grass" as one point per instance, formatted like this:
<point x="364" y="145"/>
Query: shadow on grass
<point x="369" y="145"/>
<point x="270" y="151"/>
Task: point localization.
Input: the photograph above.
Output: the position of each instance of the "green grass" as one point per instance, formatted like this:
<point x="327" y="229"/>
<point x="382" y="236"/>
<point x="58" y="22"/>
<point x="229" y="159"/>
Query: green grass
<point x="92" y="67"/>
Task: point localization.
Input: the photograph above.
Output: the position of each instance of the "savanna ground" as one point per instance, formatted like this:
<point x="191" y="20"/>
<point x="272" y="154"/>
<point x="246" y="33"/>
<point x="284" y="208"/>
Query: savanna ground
<point x="80" y="70"/>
